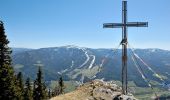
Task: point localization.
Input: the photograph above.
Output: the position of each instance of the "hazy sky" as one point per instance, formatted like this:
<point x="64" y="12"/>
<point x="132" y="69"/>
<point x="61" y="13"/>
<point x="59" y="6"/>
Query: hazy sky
<point x="51" y="23"/>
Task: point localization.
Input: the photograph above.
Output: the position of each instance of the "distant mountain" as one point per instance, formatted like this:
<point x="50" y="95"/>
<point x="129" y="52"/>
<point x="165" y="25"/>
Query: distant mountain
<point x="19" y="50"/>
<point x="83" y="64"/>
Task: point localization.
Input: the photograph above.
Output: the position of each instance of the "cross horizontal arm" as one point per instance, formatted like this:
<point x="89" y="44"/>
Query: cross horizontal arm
<point x="112" y="25"/>
<point x="137" y="24"/>
<point x="128" y="24"/>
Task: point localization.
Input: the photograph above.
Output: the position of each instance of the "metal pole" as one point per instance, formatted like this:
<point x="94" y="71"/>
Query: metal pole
<point x="124" y="48"/>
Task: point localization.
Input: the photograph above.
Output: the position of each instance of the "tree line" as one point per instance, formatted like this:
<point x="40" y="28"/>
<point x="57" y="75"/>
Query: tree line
<point x="12" y="86"/>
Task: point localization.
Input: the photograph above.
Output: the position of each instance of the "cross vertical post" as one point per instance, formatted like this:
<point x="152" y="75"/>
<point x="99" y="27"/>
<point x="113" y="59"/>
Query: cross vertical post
<point x="124" y="47"/>
<point x="124" y="25"/>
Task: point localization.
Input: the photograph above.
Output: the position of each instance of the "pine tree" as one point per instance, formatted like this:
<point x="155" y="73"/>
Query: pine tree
<point x="20" y="86"/>
<point x="8" y="89"/>
<point x="39" y="92"/>
<point x="59" y="88"/>
<point x="5" y="51"/>
<point x="61" y="85"/>
<point x="28" y="90"/>
<point x="49" y="93"/>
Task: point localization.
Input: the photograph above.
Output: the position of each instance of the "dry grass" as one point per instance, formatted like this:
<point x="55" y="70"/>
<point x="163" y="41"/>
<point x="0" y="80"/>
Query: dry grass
<point x="79" y="94"/>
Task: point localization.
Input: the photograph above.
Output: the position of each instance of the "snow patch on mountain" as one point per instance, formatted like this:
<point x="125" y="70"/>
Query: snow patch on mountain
<point x="92" y="62"/>
<point x="72" y="64"/>
<point x="87" y="57"/>
<point x="153" y="50"/>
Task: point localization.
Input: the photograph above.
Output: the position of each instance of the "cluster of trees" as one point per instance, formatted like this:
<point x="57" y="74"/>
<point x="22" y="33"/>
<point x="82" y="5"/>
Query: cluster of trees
<point x="12" y="86"/>
<point x="59" y="89"/>
<point x="26" y="91"/>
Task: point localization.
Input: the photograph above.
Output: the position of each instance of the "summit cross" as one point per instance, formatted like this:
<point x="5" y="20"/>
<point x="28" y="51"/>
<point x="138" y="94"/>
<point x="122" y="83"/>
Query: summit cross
<point x="124" y="25"/>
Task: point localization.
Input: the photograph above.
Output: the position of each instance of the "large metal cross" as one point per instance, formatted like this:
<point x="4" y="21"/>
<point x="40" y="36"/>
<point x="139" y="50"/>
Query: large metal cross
<point x="124" y="41"/>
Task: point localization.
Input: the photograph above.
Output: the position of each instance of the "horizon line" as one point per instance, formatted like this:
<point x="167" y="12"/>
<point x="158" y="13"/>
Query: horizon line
<point x="82" y="47"/>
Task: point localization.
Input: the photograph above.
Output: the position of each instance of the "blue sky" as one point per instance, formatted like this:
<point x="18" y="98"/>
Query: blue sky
<point x="51" y="23"/>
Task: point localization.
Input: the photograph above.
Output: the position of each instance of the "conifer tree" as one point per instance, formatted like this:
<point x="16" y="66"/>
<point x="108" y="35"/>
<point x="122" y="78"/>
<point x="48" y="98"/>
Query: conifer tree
<point x="39" y="92"/>
<point x="61" y="85"/>
<point x="5" y="51"/>
<point x="20" y="85"/>
<point x="49" y="93"/>
<point x="8" y="89"/>
<point x="28" y="90"/>
<point x="59" y="88"/>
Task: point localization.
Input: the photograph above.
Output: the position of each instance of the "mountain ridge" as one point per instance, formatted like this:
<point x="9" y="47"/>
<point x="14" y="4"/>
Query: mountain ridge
<point x="79" y="47"/>
<point x="83" y="64"/>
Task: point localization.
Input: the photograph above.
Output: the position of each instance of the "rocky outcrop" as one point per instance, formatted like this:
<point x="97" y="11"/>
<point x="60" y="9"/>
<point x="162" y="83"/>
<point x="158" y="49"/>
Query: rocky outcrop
<point x="96" y="90"/>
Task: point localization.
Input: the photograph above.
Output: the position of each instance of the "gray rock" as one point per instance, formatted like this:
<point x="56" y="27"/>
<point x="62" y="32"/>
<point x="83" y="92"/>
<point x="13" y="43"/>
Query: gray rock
<point x="108" y="91"/>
